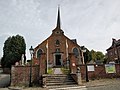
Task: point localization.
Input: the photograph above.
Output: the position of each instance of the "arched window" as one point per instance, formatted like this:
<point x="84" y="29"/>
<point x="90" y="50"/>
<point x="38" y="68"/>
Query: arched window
<point x="76" y="52"/>
<point x="39" y="52"/>
<point x="57" y="42"/>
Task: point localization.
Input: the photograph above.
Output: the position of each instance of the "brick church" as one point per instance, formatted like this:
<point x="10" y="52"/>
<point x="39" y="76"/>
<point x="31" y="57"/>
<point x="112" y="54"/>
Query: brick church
<point x="57" y="50"/>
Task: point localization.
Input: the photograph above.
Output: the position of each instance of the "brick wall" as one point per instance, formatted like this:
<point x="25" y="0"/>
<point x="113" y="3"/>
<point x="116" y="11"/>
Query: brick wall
<point x="20" y="75"/>
<point x="99" y="72"/>
<point x="52" y="47"/>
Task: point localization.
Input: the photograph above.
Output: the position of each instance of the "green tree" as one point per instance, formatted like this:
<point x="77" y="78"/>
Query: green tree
<point x="97" y="55"/>
<point x="105" y="58"/>
<point x="93" y="55"/>
<point x="100" y="56"/>
<point x="13" y="49"/>
<point x="87" y="54"/>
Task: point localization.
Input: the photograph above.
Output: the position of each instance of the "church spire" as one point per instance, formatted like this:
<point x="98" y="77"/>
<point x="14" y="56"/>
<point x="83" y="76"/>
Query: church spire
<point x="58" y="18"/>
<point x="58" y="30"/>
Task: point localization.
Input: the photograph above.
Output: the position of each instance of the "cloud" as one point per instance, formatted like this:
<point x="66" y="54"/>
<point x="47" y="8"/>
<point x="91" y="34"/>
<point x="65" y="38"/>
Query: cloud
<point x="92" y="22"/>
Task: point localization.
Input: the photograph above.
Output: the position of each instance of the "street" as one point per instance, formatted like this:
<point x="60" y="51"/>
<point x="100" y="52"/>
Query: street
<point x="4" y="80"/>
<point x="107" y="87"/>
<point x="1" y="70"/>
<point x="102" y="84"/>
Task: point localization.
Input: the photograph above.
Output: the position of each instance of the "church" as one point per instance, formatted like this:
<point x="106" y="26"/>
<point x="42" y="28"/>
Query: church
<point x="57" y="50"/>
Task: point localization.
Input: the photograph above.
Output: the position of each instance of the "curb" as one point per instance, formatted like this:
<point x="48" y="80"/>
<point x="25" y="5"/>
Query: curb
<point x="67" y="88"/>
<point x="15" y="88"/>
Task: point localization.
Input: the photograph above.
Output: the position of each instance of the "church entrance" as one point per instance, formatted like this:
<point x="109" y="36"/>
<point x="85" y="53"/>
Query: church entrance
<point x="58" y="59"/>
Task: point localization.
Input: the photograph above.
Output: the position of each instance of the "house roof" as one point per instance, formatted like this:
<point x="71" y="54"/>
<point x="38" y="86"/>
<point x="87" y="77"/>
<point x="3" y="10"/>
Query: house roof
<point x="115" y="43"/>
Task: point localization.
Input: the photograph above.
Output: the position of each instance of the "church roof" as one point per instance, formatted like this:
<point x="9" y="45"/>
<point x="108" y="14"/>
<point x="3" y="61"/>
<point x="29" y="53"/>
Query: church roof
<point x="74" y="40"/>
<point x="58" y="31"/>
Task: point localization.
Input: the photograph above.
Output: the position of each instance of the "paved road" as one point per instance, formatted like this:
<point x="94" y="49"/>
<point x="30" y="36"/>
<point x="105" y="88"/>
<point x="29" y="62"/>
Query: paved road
<point x="103" y="84"/>
<point x="107" y="87"/>
<point x="1" y="70"/>
<point x="4" y="80"/>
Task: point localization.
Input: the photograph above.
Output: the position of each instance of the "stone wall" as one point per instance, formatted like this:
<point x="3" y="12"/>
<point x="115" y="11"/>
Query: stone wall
<point x="20" y="75"/>
<point x="99" y="72"/>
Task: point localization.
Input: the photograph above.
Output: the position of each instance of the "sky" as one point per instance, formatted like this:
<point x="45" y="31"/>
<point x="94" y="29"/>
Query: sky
<point x="92" y="22"/>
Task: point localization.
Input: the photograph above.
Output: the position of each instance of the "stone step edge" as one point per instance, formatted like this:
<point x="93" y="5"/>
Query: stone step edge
<point x="60" y="81"/>
<point x="68" y="83"/>
<point x="50" y="75"/>
<point x="63" y="86"/>
<point x="74" y="87"/>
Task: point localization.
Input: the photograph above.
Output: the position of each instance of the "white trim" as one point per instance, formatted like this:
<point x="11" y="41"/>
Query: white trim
<point x="37" y="51"/>
<point x="47" y="54"/>
<point x="66" y="49"/>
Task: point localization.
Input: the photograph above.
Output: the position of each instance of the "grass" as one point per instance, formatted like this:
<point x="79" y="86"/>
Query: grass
<point x="65" y="70"/>
<point x="50" y="70"/>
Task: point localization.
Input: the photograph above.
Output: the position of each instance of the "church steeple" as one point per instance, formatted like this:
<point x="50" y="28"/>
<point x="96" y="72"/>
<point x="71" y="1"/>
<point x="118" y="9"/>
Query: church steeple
<point x="58" y="19"/>
<point x="58" y="29"/>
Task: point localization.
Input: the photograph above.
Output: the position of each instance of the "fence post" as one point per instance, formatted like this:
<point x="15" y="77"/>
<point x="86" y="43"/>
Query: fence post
<point x="79" y="80"/>
<point x="44" y="82"/>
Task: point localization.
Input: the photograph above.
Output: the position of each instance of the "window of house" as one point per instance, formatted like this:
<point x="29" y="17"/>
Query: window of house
<point x="76" y="52"/>
<point x="57" y="42"/>
<point x="57" y="32"/>
<point x="39" y="52"/>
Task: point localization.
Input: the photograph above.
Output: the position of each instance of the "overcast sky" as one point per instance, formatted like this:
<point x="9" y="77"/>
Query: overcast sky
<point x="92" y="22"/>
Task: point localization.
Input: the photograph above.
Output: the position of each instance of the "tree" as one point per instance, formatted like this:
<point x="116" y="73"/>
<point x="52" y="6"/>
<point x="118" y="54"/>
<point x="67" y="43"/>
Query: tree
<point x="13" y="49"/>
<point x="93" y="55"/>
<point x="100" y="56"/>
<point x="105" y="58"/>
<point x="97" y="55"/>
<point x="86" y="54"/>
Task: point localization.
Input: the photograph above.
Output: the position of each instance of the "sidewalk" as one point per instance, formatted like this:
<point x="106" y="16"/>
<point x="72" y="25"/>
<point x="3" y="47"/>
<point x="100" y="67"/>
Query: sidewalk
<point x="4" y="80"/>
<point x="101" y="82"/>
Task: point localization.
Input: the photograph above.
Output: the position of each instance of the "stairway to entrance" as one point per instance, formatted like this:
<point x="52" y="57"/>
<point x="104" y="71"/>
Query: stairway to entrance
<point x="59" y="80"/>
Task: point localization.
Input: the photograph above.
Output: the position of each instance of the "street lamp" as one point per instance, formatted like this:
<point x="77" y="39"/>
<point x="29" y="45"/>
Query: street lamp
<point x="85" y="62"/>
<point x="31" y="53"/>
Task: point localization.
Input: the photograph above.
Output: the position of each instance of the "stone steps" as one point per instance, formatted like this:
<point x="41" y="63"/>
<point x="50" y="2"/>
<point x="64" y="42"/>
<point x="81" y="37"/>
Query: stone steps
<point x="69" y="88"/>
<point x="73" y="87"/>
<point x="59" y="80"/>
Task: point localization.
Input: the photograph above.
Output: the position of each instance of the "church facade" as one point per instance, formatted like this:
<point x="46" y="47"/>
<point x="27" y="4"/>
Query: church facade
<point x="57" y="50"/>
